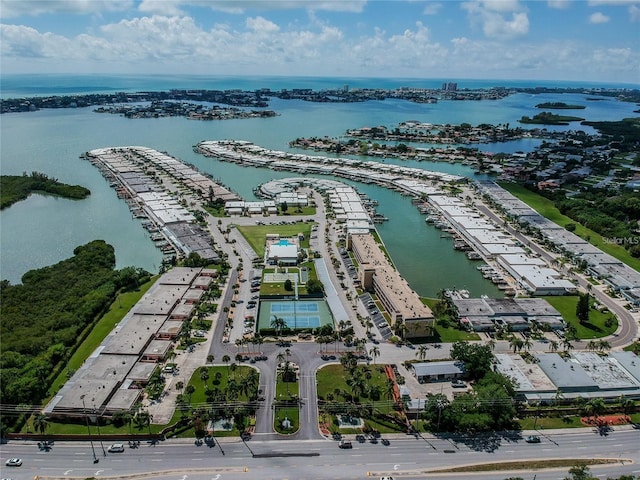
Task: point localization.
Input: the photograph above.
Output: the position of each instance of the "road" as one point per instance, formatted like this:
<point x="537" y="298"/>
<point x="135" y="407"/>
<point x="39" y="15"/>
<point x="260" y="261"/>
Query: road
<point x="405" y="456"/>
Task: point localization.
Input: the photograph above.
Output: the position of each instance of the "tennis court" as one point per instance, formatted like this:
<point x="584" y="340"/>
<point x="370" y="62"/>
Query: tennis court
<point x="297" y="314"/>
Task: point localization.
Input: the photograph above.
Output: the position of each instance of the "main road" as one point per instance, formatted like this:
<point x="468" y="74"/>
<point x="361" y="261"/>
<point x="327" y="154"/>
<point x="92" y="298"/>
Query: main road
<point x="404" y="456"/>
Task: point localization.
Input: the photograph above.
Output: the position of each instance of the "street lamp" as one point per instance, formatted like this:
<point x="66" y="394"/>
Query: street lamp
<point x="99" y="434"/>
<point x="84" y="412"/>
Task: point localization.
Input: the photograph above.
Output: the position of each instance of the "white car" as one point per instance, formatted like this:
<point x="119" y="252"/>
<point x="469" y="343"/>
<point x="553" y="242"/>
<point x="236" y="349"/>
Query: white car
<point x="116" y="448"/>
<point x="13" y="462"/>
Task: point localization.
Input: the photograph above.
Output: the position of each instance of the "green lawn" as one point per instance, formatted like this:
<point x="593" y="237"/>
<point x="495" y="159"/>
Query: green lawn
<point x="277" y="288"/>
<point x="546" y="208"/>
<point x="123" y="303"/>
<point x="333" y="377"/>
<point x="256" y="235"/>
<point x="452" y="334"/>
<point x="550" y="422"/>
<point x="596" y="327"/>
<point x="449" y="334"/>
<point x="286" y="391"/>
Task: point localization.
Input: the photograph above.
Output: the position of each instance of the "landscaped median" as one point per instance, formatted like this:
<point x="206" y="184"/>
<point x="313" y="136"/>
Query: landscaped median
<point x="505" y="468"/>
<point x="286" y="405"/>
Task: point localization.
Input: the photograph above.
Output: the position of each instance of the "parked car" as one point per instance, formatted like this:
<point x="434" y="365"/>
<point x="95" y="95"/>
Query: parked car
<point x="532" y="439"/>
<point x="345" y="444"/>
<point x="116" y="448"/>
<point x="13" y="462"/>
<point x="458" y="384"/>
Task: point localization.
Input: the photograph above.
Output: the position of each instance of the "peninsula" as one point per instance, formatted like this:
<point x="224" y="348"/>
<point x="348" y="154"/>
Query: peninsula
<point x="15" y="188"/>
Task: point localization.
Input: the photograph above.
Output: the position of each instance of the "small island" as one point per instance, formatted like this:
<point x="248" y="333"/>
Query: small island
<point x="560" y="106"/>
<point x="548" y="118"/>
<point x="18" y="187"/>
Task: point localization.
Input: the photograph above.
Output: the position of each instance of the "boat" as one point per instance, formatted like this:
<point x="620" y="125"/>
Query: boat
<point x="474" y="255"/>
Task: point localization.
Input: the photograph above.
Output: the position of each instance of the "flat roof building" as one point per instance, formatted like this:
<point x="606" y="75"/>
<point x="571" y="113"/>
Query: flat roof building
<point x="438" y="371"/>
<point x="400" y="301"/>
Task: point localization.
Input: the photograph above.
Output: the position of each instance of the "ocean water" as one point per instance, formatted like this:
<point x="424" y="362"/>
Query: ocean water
<point x="43" y="230"/>
<point x="17" y="85"/>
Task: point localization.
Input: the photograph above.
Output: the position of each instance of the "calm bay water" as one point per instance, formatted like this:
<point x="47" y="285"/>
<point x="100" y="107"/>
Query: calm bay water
<point x="44" y="230"/>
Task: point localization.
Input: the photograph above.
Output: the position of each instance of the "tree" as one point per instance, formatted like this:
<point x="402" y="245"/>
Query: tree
<point x="515" y="343"/>
<point x="278" y="324"/>
<point x="595" y="407"/>
<point x="288" y="286"/>
<point x="314" y="286"/>
<point x="579" y="472"/>
<point x="374" y="352"/>
<point x="477" y="358"/>
<point x="422" y="352"/>
<point x="40" y="423"/>
<point x="284" y="207"/>
<point x="226" y="359"/>
<point x="189" y="391"/>
<point x="583" y="307"/>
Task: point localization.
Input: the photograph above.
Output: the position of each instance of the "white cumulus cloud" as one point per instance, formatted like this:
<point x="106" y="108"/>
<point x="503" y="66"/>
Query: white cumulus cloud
<point x="598" y="17"/>
<point x="502" y="19"/>
<point x="261" y="25"/>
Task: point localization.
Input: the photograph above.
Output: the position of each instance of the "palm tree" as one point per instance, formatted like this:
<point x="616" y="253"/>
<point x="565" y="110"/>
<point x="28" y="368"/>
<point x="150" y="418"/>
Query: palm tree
<point x="627" y="405"/>
<point x="527" y="344"/>
<point x="553" y="346"/>
<point x="204" y="374"/>
<point x="592" y="345"/>
<point x="357" y="384"/>
<point x="604" y="346"/>
<point x="389" y="389"/>
<point x="595" y="407"/>
<point x="401" y="329"/>
<point x="567" y="345"/>
<point x="40" y="423"/>
<point x="226" y="359"/>
<point x="368" y="325"/>
<point x="374" y="352"/>
<point x="259" y="340"/>
<point x="278" y="324"/>
<point x="189" y="391"/>
<point x="143" y="419"/>
<point x="515" y="343"/>
<point x="422" y="352"/>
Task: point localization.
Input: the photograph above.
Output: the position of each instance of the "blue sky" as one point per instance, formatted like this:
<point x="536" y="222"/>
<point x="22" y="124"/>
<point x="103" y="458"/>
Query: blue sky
<point x="590" y="40"/>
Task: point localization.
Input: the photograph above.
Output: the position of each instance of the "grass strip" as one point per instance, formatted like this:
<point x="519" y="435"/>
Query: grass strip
<point x="530" y="464"/>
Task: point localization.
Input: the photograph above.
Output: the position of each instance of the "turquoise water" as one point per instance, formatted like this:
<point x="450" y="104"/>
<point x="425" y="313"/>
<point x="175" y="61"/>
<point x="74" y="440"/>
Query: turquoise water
<point x="43" y="230"/>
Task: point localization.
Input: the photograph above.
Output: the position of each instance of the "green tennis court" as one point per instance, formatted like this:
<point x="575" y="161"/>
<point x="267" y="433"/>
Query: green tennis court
<point x="297" y="314"/>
